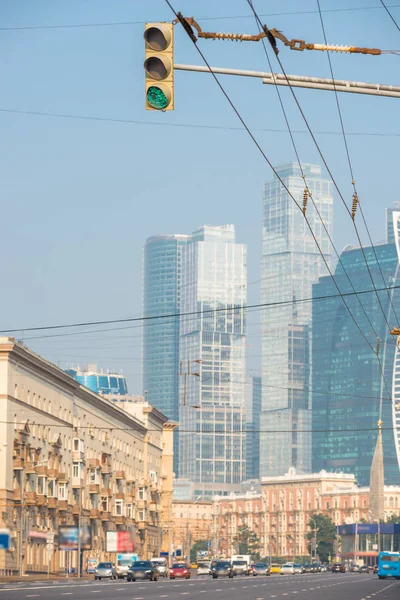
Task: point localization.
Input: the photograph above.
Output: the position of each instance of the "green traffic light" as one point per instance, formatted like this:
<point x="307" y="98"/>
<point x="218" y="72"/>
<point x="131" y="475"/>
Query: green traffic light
<point x="156" y="98"/>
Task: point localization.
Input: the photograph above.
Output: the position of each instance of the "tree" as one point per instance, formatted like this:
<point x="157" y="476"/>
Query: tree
<point x="248" y="542"/>
<point x="198" y="546"/>
<point x="323" y="530"/>
<point x="393" y="519"/>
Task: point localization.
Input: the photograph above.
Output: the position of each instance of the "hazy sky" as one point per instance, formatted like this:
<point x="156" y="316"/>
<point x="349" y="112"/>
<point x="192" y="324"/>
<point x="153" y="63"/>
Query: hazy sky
<point x="80" y="197"/>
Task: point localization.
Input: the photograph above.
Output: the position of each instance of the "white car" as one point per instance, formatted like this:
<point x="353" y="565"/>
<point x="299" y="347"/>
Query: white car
<point x="288" y="569"/>
<point x="204" y="568"/>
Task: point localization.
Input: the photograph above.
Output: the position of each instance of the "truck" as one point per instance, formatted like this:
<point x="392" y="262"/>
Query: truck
<point x="241" y="564"/>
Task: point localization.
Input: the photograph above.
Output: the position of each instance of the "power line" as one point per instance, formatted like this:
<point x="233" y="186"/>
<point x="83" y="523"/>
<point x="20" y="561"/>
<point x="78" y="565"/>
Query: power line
<point x="222" y="17"/>
<point x="37" y="113"/>
<point x="350" y="162"/>
<point x="390" y="14"/>
<point x="200" y="312"/>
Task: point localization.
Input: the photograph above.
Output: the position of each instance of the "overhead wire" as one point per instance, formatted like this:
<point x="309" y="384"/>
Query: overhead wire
<point x="283" y="185"/>
<point x="325" y="164"/>
<point x="349" y="161"/>
<point x="310" y="195"/>
<point x="390" y="14"/>
<point x="264" y="27"/>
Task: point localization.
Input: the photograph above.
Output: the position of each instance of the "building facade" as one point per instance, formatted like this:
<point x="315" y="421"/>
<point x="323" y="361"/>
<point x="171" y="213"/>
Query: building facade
<point x="280" y="514"/>
<point x="72" y="457"/>
<point x="162" y="256"/>
<point x="349" y="393"/>
<point x="212" y="355"/>
<point x="192" y="522"/>
<point x="290" y="264"/>
<point x="100" y="382"/>
<point x="253" y="416"/>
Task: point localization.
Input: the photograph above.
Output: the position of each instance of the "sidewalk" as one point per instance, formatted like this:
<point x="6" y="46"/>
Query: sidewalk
<point x="32" y="577"/>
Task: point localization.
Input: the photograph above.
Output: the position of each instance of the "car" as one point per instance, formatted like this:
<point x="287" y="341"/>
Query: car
<point x="355" y="569"/>
<point x="240" y="567"/>
<point x="307" y="568"/>
<point x="162" y="566"/>
<point x="194" y="565"/>
<point x="204" y="568"/>
<point x="275" y="568"/>
<point x="298" y="569"/>
<point x="338" y="568"/>
<point x="142" y="569"/>
<point x="122" y="568"/>
<point x="375" y="570"/>
<point x="261" y="569"/>
<point x="222" y="568"/>
<point x="251" y="569"/>
<point x="105" y="570"/>
<point x="365" y="569"/>
<point x="179" y="570"/>
<point x="288" y="569"/>
<point x="324" y="568"/>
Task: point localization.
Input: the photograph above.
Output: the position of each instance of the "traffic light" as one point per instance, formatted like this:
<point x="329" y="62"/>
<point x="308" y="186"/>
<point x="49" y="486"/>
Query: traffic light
<point x="159" y="66"/>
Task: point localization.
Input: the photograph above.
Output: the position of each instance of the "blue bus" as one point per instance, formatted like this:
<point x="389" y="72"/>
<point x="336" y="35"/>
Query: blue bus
<point x="389" y="565"/>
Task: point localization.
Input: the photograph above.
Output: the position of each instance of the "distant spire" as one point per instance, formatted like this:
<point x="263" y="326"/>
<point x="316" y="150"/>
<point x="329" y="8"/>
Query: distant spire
<point x="377" y="481"/>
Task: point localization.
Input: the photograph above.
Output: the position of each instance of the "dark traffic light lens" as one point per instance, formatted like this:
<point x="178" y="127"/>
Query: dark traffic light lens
<point x="157" y="39"/>
<point x="156" y="98"/>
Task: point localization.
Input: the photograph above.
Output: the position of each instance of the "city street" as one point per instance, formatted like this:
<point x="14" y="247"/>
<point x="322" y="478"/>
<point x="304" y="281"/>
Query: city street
<point x="325" y="586"/>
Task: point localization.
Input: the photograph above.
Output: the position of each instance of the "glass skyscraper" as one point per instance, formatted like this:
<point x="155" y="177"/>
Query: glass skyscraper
<point x="253" y="414"/>
<point x="212" y="407"/>
<point x="290" y="264"/>
<point x="100" y="382"/>
<point x="347" y="386"/>
<point x="162" y="257"/>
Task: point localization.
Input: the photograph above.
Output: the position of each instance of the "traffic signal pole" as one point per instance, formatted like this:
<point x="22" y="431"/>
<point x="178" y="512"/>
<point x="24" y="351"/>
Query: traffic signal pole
<point x="315" y="83"/>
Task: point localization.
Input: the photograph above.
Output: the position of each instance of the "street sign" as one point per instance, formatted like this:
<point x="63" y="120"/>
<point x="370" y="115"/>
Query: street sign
<point x="165" y="554"/>
<point x="4" y="539"/>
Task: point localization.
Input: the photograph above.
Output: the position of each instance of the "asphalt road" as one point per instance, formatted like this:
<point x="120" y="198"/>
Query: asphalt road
<point x="321" y="586"/>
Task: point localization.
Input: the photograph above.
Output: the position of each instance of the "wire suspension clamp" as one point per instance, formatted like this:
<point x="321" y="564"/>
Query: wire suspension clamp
<point x="354" y="205"/>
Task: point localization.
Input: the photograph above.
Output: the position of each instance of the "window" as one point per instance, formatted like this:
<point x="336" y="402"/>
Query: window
<point x="75" y="470"/>
<point x="129" y="511"/>
<point x="142" y="493"/>
<point x="142" y="514"/>
<point x="62" y="491"/>
<point x="119" y="507"/>
<point x="51" y="489"/>
<point x="41" y="485"/>
<point x="93" y="478"/>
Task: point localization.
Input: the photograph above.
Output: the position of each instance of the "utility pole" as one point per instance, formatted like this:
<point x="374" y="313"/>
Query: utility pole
<point x="79" y="533"/>
<point x="22" y="524"/>
<point x="185" y="373"/>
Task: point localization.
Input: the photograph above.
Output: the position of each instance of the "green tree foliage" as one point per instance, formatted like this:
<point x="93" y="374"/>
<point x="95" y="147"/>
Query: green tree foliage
<point x="248" y="542"/>
<point x="393" y="519"/>
<point x="198" y="546"/>
<point x="325" y="533"/>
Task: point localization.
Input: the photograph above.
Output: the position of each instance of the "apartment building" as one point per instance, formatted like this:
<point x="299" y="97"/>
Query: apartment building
<point x="192" y="522"/>
<point x="70" y="456"/>
<point x="280" y="514"/>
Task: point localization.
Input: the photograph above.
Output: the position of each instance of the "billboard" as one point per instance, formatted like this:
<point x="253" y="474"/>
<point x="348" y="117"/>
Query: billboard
<point x="119" y="541"/>
<point x="68" y="537"/>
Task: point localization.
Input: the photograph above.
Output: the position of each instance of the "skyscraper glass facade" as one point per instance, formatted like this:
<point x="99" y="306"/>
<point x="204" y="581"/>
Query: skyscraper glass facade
<point x="162" y="257"/>
<point x="212" y="404"/>
<point x="290" y="264"/>
<point x="253" y="414"/>
<point x="348" y="390"/>
<point x="100" y="382"/>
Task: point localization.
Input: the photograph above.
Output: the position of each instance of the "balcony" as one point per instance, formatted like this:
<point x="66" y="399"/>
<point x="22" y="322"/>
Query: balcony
<point x="120" y="519"/>
<point x="78" y="456"/>
<point x="141" y="503"/>
<point x="75" y="509"/>
<point x="62" y="477"/>
<point x="154" y="507"/>
<point x="105" y="468"/>
<point x="94" y="463"/>
<point x="52" y="473"/>
<point x="17" y="495"/>
<point x="41" y="500"/>
<point x="94" y="488"/>
<point x="18" y="463"/>
<point x="141" y="525"/>
<point x="30" y="467"/>
<point x="120" y="475"/>
<point x="52" y="502"/>
<point x="94" y="513"/>
<point x="106" y="492"/>
<point x="42" y="470"/>
<point x="154" y="486"/>
<point x="105" y="516"/>
<point x="120" y="496"/>
<point x="30" y="498"/>
<point x="63" y="506"/>
<point x="78" y="482"/>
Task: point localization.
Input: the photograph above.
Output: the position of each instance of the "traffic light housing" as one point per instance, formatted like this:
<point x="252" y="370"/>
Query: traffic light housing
<point x="159" y="66"/>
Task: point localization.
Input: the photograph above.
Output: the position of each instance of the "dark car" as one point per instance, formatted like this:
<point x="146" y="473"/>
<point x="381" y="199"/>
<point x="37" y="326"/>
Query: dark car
<point x="308" y="568"/>
<point x="365" y="569"/>
<point x="338" y="568"/>
<point x="142" y="569"/>
<point x="222" y="568"/>
<point x="180" y="570"/>
<point x="375" y="570"/>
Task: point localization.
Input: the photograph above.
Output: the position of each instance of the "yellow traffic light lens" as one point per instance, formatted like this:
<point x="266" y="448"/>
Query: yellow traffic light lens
<point x="157" y="38"/>
<point x="157" y="98"/>
<point x="158" y="67"/>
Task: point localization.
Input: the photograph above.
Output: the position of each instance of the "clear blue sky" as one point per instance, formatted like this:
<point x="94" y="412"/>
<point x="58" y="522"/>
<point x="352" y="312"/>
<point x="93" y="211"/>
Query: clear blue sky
<point x="80" y="197"/>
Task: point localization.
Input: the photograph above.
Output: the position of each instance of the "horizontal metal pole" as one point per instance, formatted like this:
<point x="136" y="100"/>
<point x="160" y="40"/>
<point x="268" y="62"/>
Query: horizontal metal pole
<point x="316" y="83"/>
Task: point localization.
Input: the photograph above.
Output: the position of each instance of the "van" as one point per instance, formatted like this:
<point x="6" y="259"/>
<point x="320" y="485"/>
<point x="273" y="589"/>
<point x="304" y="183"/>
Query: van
<point x="161" y="562"/>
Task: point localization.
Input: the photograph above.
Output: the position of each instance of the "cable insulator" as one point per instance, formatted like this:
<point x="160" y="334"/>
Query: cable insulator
<point x="354" y="206"/>
<point x="378" y="345"/>
<point x="305" y="198"/>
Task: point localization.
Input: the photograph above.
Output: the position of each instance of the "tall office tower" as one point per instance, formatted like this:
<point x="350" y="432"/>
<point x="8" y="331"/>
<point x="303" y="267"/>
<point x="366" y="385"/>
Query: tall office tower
<point x="291" y="263"/>
<point x="389" y="222"/>
<point x="162" y="255"/>
<point x="212" y="403"/>
<point x="253" y="413"/>
<point x="349" y="393"/>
